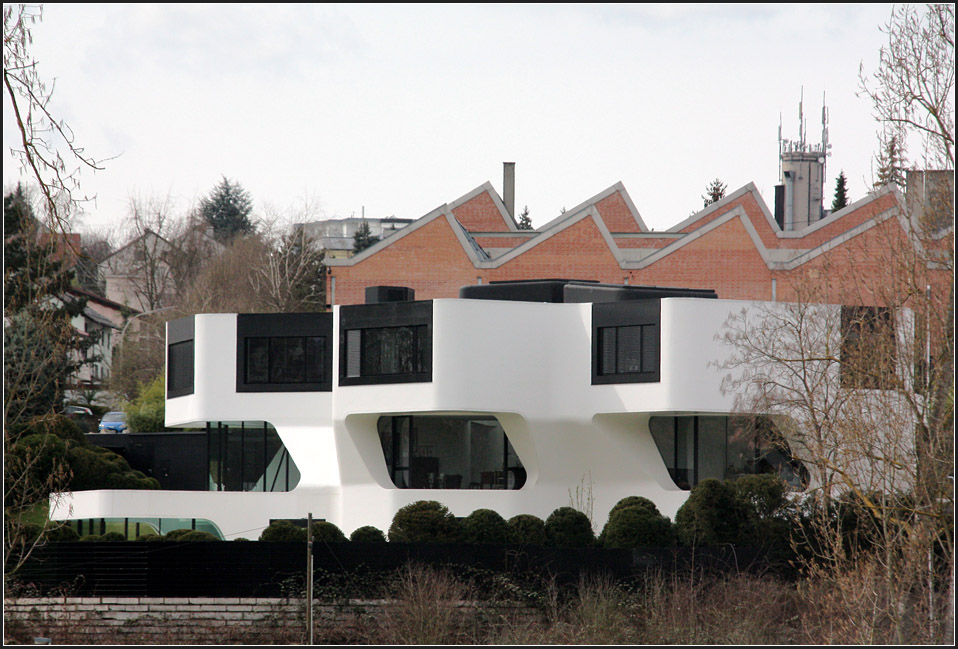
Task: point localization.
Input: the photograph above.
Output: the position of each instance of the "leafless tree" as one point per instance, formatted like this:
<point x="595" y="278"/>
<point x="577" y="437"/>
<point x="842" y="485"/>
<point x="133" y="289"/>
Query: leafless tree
<point x="913" y="88"/>
<point x="49" y="152"/>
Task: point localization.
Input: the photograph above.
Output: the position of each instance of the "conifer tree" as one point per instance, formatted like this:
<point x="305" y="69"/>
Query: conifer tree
<point x="714" y="192"/>
<point x="841" y="192"/>
<point x="363" y="238"/>
<point x="525" y="223"/>
<point x="891" y="163"/>
<point x="228" y="209"/>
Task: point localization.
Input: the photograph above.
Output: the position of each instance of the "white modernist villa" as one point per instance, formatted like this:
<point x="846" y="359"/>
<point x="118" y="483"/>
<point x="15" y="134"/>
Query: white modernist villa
<point x="509" y="398"/>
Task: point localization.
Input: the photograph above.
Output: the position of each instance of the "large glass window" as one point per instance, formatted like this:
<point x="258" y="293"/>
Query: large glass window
<point x="449" y="452"/>
<point x="283" y="352"/>
<point x="695" y="448"/>
<point x="248" y="456"/>
<point x="285" y="359"/>
<point x="385" y="343"/>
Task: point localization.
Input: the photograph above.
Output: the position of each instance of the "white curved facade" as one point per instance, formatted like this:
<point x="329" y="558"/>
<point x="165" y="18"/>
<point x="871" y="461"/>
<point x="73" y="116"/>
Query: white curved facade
<point x="528" y="364"/>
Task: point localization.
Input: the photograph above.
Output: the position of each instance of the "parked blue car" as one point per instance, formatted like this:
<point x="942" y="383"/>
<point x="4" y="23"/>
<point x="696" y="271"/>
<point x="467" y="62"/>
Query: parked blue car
<point x="113" y="422"/>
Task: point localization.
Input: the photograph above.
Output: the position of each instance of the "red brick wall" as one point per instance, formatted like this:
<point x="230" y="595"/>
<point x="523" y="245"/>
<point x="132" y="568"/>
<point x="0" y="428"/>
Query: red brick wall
<point x="432" y="261"/>
<point x="480" y="214"/>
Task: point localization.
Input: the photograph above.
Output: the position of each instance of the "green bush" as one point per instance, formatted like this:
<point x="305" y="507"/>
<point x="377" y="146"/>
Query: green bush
<point x="424" y="521"/>
<point x="367" y="534"/>
<point x="62" y="534"/>
<point x="176" y="535"/>
<point x="713" y="515"/>
<point x="149" y="536"/>
<point x="634" y="527"/>
<point x="197" y="535"/>
<point x="569" y="528"/>
<point x="90" y="537"/>
<point x="283" y="531"/>
<point x="113" y="536"/>
<point x="147" y="412"/>
<point x="61" y="426"/>
<point x="326" y="532"/>
<point x="241" y="538"/>
<point x="526" y="529"/>
<point x="485" y="526"/>
<point x="635" y="501"/>
<point x="100" y="468"/>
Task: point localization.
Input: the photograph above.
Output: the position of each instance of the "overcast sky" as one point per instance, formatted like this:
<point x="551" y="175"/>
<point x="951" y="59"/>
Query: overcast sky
<point x="399" y="109"/>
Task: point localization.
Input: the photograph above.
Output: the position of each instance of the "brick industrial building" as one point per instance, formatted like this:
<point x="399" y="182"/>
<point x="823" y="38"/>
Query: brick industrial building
<point x="735" y="246"/>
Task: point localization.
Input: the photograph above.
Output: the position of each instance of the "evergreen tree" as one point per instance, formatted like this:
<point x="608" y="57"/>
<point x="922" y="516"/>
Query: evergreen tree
<point x="228" y="209"/>
<point x="841" y="192"/>
<point x="525" y="223"/>
<point x="714" y="192"/>
<point x="891" y="163"/>
<point x="363" y="238"/>
<point x="41" y="347"/>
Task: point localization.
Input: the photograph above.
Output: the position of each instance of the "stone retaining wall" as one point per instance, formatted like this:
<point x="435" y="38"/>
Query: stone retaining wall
<point x="196" y="620"/>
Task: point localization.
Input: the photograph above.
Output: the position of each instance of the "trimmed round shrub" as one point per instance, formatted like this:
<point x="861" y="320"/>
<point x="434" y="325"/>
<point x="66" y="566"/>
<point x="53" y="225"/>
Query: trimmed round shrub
<point x="713" y="515"/>
<point x="241" y="538"/>
<point x="635" y="501"/>
<point x="326" y="532"/>
<point x="62" y="534"/>
<point x="176" y="535"/>
<point x="634" y="527"/>
<point x="197" y="535"/>
<point x="526" y="529"/>
<point x="485" y="526"/>
<point x="367" y="534"/>
<point x="90" y="537"/>
<point x="569" y="528"/>
<point x="283" y="531"/>
<point x="764" y="494"/>
<point x="149" y="536"/>
<point x="112" y="536"/>
<point x="424" y="521"/>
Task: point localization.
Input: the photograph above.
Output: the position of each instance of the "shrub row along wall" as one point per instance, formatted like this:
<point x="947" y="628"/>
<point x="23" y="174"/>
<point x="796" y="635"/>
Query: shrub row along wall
<point x="165" y="620"/>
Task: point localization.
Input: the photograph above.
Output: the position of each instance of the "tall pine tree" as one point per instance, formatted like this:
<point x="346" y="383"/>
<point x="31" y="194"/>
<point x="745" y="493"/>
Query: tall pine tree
<point x="891" y="163"/>
<point x="525" y="223"/>
<point x="228" y="209"/>
<point x="841" y="192"/>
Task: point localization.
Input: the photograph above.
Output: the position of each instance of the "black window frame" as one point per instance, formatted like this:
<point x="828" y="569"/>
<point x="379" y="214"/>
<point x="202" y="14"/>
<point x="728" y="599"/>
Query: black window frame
<point x="180" y="346"/>
<point x="273" y="328"/>
<point x="614" y="318"/>
<point x="356" y="322"/>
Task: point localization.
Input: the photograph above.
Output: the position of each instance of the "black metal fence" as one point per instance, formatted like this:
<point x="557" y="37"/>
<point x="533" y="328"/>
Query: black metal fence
<point x="262" y="569"/>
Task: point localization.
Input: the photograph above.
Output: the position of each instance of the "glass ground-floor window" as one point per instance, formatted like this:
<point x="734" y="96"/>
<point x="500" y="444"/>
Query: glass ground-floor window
<point x="248" y="456"/>
<point x="695" y="448"/>
<point x="449" y="452"/>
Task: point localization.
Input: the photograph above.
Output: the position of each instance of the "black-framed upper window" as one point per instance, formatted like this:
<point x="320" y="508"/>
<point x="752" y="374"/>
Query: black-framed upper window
<point x="628" y="350"/>
<point x="625" y="342"/>
<point x="179" y="357"/>
<point x="386" y="343"/>
<point x="283" y="352"/>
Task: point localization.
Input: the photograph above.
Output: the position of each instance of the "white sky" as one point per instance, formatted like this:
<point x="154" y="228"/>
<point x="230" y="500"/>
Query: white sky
<point x="403" y="108"/>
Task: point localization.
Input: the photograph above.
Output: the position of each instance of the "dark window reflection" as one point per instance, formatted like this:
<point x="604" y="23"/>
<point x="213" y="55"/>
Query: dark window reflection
<point x="696" y="448"/>
<point x="449" y="452"/>
<point x="285" y="359"/>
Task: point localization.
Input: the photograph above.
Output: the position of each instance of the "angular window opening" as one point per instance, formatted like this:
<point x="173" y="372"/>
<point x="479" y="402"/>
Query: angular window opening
<point x="695" y="448"/>
<point x="449" y="452"/>
<point x="248" y="456"/>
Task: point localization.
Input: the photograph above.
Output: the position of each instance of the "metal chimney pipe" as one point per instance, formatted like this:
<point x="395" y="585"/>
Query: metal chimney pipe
<point x="509" y="187"/>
